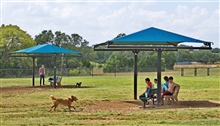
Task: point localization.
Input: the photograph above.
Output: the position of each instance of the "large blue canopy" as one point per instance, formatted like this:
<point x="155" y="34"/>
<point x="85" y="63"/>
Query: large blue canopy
<point x="153" y="36"/>
<point x="46" y="49"/>
<point x="151" y="39"/>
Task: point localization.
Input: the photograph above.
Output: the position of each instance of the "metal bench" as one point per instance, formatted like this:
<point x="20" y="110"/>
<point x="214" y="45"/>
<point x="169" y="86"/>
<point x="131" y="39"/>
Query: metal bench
<point x="151" y="97"/>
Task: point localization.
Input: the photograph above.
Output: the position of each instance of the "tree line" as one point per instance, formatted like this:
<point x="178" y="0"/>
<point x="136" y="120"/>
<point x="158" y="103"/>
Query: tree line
<point x="13" y="38"/>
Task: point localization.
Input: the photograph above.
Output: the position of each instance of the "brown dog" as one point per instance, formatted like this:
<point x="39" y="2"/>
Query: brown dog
<point x="64" y="101"/>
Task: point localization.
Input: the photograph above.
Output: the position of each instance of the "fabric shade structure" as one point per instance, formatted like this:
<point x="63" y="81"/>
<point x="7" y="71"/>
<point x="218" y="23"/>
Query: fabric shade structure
<point x="152" y="36"/>
<point x="150" y="39"/>
<point x="45" y="50"/>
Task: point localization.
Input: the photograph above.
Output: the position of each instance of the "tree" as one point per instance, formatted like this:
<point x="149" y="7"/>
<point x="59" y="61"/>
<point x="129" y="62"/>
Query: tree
<point x="119" y="61"/>
<point x="46" y="36"/>
<point x="148" y="62"/>
<point x="71" y="42"/>
<point x="12" y="39"/>
<point x="120" y="35"/>
<point x="206" y="56"/>
<point x="170" y="59"/>
<point x="216" y="50"/>
<point x="60" y="38"/>
<point x="75" y="40"/>
<point x="184" y="56"/>
<point x="102" y="56"/>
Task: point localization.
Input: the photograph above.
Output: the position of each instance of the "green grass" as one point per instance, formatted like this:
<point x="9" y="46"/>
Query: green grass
<point x="31" y="107"/>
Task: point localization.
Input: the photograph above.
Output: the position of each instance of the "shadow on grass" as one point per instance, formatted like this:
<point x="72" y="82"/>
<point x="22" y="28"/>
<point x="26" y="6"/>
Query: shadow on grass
<point x="63" y="86"/>
<point x="37" y="88"/>
<point x="183" y="104"/>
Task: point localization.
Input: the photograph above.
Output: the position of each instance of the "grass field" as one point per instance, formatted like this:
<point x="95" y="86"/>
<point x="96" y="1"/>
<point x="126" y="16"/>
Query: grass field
<point x="108" y="100"/>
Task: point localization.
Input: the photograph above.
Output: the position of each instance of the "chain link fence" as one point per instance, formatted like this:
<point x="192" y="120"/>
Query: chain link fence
<point x="22" y="73"/>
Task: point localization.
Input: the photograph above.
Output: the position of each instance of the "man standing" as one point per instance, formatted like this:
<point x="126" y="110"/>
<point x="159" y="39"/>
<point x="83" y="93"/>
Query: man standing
<point x="42" y="74"/>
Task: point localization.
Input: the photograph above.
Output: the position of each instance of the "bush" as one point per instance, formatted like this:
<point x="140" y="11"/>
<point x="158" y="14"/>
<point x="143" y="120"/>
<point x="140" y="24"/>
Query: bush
<point x="74" y="72"/>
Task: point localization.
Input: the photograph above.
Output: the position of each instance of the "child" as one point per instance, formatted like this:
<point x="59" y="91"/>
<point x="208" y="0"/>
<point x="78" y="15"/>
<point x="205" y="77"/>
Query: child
<point x="163" y="87"/>
<point x="145" y="94"/>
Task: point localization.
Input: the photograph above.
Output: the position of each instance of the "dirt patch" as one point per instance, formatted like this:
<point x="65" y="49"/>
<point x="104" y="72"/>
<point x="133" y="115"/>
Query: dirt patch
<point x="21" y="89"/>
<point x="115" y="105"/>
<point x="130" y="106"/>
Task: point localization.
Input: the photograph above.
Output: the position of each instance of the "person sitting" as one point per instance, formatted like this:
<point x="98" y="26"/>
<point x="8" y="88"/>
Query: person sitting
<point x="163" y="87"/>
<point x="145" y="94"/>
<point x="166" y="81"/>
<point x="170" y="90"/>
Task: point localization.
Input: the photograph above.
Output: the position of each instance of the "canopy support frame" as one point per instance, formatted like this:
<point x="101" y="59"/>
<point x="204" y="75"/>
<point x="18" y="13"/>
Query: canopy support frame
<point x="135" y="52"/>
<point x="33" y="70"/>
<point x="136" y="49"/>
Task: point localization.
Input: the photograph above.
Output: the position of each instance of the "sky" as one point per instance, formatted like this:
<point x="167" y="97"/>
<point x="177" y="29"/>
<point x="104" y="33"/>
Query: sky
<point x="100" y="21"/>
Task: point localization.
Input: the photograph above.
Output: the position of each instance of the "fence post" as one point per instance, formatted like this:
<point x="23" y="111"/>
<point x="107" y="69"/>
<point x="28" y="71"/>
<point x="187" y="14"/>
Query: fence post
<point x="208" y="71"/>
<point x="195" y="71"/>
<point x="115" y="71"/>
<point x="92" y="72"/>
<point x="182" y="72"/>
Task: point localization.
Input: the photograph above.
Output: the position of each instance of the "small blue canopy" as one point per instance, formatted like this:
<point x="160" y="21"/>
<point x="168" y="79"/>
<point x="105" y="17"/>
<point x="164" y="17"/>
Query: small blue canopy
<point x="153" y="36"/>
<point x="46" y="49"/>
<point x="42" y="50"/>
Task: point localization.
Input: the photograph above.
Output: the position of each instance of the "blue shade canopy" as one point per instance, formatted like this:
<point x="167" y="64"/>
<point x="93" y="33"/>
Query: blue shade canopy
<point x="46" y="49"/>
<point x="153" y="36"/>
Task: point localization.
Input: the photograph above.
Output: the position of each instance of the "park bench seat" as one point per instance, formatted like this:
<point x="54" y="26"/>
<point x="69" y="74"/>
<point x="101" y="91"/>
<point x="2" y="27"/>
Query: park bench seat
<point x="58" y="80"/>
<point x="151" y="97"/>
<point x="172" y="99"/>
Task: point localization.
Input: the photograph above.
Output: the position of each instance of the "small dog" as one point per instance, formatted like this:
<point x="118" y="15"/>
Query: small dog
<point x="78" y="84"/>
<point x="64" y="101"/>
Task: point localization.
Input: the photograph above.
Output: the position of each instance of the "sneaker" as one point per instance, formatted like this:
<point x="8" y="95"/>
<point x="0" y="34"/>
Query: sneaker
<point x="142" y="107"/>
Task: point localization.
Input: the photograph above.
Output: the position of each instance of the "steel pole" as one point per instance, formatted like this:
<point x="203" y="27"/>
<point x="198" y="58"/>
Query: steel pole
<point x="33" y="71"/>
<point x="135" y="73"/>
<point x="159" y="52"/>
<point x="54" y="84"/>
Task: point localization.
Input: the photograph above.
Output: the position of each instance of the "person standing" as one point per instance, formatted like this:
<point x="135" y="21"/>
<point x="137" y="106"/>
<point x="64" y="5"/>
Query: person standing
<point x="42" y="74"/>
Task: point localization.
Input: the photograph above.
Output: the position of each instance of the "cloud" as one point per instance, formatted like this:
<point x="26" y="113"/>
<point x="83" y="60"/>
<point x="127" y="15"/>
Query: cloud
<point x="101" y="21"/>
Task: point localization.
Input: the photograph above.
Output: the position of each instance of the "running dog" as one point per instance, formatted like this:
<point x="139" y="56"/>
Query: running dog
<point x="64" y="101"/>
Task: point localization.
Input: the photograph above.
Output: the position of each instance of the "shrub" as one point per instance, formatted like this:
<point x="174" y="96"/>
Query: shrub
<point x="74" y="72"/>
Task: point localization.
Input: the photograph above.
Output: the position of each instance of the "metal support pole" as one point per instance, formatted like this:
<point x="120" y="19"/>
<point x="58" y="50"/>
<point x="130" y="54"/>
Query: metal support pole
<point x="135" y="73"/>
<point x="159" y="51"/>
<point x="54" y="84"/>
<point x="33" y="71"/>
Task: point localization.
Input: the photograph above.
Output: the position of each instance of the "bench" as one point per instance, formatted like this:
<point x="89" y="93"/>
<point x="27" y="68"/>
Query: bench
<point x="172" y="99"/>
<point x="58" y="80"/>
<point x="151" y="96"/>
